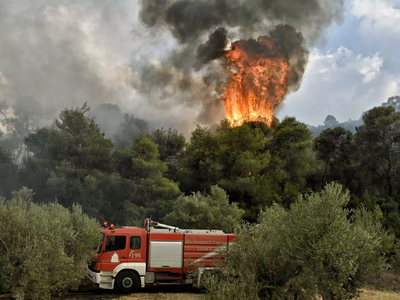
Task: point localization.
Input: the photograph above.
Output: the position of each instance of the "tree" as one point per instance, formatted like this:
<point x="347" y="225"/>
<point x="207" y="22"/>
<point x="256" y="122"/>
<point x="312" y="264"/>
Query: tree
<point x="205" y="211"/>
<point x="330" y="121"/>
<point x="393" y="101"/>
<point x="292" y="158"/>
<point x="378" y="150"/>
<point x="170" y="143"/>
<point x="71" y="161"/>
<point x="8" y="173"/>
<point x="143" y="174"/>
<point x="334" y="148"/>
<point x="128" y="130"/>
<point x="243" y="158"/>
<point x="200" y="170"/>
<point x="79" y="140"/>
<point x="235" y="159"/>
<point x="43" y="248"/>
<point x="316" y="247"/>
<point x="255" y="164"/>
<point x="73" y="138"/>
<point x="170" y="147"/>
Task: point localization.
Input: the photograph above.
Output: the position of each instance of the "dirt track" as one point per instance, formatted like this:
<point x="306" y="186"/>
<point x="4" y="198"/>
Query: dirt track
<point x="164" y="293"/>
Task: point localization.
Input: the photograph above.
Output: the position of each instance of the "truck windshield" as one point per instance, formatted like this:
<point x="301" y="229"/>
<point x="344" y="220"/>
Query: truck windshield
<point x="100" y="243"/>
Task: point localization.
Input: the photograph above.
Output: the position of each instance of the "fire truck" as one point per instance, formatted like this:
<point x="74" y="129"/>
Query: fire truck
<point x="129" y="258"/>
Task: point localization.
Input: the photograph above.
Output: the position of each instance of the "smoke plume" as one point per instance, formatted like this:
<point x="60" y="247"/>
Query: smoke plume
<point x="204" y="29"/>
<point x="161" y="60"/>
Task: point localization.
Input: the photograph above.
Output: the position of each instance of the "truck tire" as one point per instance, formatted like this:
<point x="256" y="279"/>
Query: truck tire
<point x="127" y="282"/>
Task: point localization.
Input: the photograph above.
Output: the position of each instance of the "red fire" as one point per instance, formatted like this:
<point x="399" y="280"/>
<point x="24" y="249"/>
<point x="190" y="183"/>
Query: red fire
<point x="258" y="80"/>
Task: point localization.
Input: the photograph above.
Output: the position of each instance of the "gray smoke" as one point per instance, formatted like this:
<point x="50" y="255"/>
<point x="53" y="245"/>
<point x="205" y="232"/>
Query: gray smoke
<point x="202" y="29"/>
<point x="158" y="60"/>
<point x="189" y="19"/>
<point x="59" y="53"/>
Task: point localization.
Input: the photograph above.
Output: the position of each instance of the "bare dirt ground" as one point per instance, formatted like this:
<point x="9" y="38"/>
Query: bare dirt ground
<point x="173" y="294"/>
<point x="157" y="293"/>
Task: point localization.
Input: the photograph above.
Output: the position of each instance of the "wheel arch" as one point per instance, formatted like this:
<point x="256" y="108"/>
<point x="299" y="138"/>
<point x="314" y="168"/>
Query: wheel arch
<point x="139" y="268"/>
<point x="125" y="270"/>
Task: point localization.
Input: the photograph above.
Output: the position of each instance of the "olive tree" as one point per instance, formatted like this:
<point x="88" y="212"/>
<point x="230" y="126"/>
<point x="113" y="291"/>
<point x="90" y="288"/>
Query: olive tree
<point x="205" y="211"/>
<point x="316" y="247"/>
<point x="44" y="249"/>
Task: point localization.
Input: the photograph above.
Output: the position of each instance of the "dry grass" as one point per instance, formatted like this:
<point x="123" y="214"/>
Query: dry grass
<point x="366" y="294"/>
<point x="161" y="296"/>
<point x="378" y="295"/>
<point x="155" y="293"/>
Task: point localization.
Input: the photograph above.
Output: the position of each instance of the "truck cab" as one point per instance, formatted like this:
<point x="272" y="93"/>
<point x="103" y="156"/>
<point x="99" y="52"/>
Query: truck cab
<point x="121" y="259"/>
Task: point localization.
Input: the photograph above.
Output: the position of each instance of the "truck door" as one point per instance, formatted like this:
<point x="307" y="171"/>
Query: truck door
<point x="115" y="251"/>
<point x="137" y="248"/>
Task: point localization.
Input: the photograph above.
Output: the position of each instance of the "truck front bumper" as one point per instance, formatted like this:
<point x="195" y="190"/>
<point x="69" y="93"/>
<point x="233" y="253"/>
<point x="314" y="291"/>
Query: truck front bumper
<point x="93" y="276"/>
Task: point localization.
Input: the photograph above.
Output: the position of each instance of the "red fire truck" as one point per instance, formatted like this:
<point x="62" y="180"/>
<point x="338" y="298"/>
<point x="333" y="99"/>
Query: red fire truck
<point x="132" y="257"/>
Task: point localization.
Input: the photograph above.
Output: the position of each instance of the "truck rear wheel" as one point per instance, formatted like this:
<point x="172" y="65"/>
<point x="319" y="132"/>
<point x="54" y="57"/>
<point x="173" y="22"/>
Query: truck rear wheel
<point x="127" y="282"/>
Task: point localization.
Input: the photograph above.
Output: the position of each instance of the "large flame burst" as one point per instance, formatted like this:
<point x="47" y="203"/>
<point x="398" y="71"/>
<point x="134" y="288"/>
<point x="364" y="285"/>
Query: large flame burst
<point x="258" y="80"/>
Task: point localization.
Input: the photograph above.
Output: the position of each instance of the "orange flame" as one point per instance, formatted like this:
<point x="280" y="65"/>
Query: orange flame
<point x="258" y="80"/>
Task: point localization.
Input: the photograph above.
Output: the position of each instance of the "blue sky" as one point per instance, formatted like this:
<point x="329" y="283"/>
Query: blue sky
<point x="356" y="69"/>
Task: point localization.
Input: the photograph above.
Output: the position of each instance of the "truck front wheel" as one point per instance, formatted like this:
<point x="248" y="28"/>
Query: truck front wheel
<point x="127" y="282"/>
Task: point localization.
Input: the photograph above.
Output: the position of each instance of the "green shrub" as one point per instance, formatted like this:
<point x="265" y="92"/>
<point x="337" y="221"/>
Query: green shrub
<point x="317" y="247"/>
<point x="205" y="211"/>
<point x="44" y="249"/>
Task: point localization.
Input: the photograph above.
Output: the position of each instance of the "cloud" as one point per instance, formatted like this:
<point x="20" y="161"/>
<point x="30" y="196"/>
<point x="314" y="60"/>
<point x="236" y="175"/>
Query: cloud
<point x="342" y="83"/>
<point x="379" y="29"/>
<point x="357" y="76"/>
<point x="379" y="16"/>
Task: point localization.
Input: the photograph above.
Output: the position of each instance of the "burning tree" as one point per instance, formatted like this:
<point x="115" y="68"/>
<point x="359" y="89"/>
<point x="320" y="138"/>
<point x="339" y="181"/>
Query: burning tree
<point x="261" y="72"/>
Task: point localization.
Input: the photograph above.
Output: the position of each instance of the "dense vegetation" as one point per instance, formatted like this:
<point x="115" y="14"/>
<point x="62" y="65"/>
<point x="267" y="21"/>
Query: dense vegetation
<point x="313" y="248"/>
<point x="275" y="175"/>
<point x="134" y="171"/>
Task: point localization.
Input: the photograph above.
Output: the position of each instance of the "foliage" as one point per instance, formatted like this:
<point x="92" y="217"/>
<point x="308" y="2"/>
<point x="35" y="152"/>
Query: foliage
<point x="235" y="159"/>
<point x="72" y="161"/>
<point x="79" y="140"/>
<point x="377" y="144"/>
<point x="334" y="147"/>
<point x="143" y="172"/>
<point x="256" y="165"/>
<point x="43" y="248"/>
<point x="292" y="157"/>
<point x="199" y="171"/>
<point x="170" y="143"/>
<point x="205" y="211"/>
<point x="8" y="172"/>
<point x="315" y="247"/>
